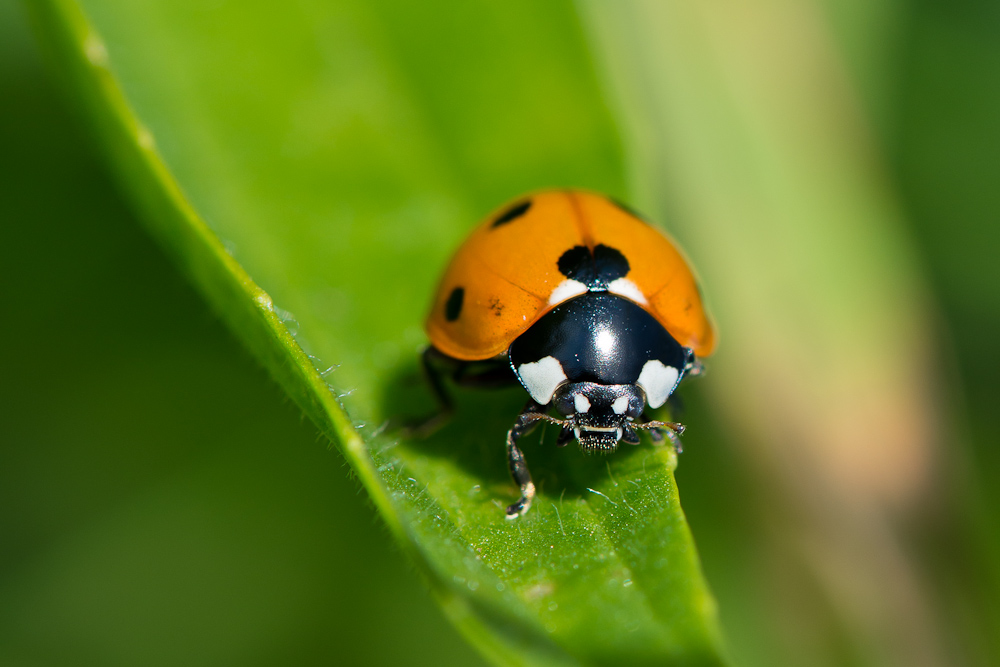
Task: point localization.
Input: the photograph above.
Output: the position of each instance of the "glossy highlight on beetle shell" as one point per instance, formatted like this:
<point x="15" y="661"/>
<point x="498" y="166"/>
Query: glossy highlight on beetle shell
<point x="600" y="338"/>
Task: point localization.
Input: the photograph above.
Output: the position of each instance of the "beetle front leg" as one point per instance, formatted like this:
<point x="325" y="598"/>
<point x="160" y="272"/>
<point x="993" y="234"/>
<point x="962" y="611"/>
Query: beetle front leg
<point x="655" y="433"/>
<point x="526" y="421"/>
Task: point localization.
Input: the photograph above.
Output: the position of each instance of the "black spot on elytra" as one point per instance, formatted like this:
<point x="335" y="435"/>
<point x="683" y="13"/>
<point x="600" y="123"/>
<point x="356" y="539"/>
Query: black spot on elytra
<point x="628" y="209"/>
<point x="512" y="213"/>
<point x="595" y="270"/>
<point x="453" y="308"/>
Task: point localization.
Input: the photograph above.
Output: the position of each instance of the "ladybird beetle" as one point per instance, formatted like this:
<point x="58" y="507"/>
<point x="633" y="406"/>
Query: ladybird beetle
<point x="596" y="314"/>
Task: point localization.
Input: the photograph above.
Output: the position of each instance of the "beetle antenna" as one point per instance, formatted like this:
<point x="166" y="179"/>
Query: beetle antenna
<point x="538" y="416"/>
<point x="676" y="427"/>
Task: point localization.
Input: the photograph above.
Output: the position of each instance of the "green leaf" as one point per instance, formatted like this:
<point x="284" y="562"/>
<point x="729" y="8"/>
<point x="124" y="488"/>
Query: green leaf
<point x="311" y="169"/>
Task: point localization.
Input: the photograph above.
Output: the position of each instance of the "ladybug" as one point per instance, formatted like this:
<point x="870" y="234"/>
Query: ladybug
<point x="593" y="311"/>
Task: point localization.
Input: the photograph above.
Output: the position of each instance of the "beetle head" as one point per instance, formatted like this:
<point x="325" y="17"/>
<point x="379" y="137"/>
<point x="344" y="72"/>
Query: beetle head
<point x="598" y="415"/>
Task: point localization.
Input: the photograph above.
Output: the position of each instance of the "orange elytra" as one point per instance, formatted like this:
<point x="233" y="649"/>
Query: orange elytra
<point x="508" y="274"/>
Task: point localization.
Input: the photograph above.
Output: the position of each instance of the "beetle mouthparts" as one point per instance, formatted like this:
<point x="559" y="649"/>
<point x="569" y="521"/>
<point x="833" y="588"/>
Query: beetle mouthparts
<point x="603" y="440"/>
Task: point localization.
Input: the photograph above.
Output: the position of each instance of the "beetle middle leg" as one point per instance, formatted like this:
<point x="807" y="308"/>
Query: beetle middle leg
<point x="439" y="367"/>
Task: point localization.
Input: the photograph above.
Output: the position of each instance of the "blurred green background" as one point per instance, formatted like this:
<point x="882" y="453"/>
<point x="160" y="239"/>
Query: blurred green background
<point x="162" y="503"/>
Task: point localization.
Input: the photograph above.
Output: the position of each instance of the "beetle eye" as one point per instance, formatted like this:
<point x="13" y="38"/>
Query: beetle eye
<point x="635" y="406"/>
<point x="564" y="403"/>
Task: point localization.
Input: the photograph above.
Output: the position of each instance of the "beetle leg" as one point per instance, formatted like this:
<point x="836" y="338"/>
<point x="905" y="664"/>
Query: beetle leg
<point x="671" y="430"/>
<point x="438" y="366"/>
<point x="675" y="440"/>
<point x="656" y="434"/>
<point x="694" y="366"/>
<point x="526" y="421"/>
<point x="435" y="366"/>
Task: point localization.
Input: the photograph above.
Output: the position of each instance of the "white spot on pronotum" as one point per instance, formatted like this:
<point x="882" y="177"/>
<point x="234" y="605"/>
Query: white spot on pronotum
<point x="658" y="381"/>
<point x="541" y="378"/>
<point x="581" y="402"/>
<point x="620" y="405"/>
<point x="628" y="289"/>
<point x="567" y="289"/>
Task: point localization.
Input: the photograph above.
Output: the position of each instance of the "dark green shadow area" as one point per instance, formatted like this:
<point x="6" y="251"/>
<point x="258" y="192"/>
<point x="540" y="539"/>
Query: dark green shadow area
<point x="945" y="149"/>
<point x="161" y="502"/>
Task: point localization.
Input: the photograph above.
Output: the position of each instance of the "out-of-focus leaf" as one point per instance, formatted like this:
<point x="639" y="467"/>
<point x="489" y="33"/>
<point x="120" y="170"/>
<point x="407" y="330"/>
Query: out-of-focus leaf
<point x="311" y="166"/>
<point x="747" y="133"/>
